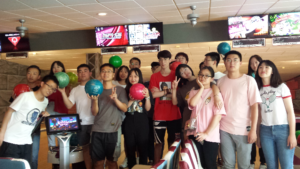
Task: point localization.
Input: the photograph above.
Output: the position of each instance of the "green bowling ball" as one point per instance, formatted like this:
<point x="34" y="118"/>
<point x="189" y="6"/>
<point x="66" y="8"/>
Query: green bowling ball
<point x="62" y="78"/>
<point x="116" y="61"/>
<point x="73" y="78"/>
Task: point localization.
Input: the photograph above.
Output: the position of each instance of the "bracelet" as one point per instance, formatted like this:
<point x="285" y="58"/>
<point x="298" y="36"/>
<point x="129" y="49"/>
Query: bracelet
<point x="147" y="98"/>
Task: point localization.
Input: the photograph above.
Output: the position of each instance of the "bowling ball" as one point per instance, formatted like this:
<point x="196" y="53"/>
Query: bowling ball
<point x="116" y="61"/>
<point x="93" y="87"/>
<point x="21" y="88"/>
<point x="136" y="91"/>
<point x="62" y="78"/>
<point x="223" y="48"/>
<point x="297" y="133"/>
<point x="174" y="65"/>
<point x="73" y="78"/>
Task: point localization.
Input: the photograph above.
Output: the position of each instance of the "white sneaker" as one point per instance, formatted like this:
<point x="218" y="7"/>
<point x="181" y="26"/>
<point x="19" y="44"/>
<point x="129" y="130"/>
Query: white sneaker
<point x="137" y="160"/>
<point x="252" y="166"/>
<point x="124" y="164"/>
<point x="262" y="166"/>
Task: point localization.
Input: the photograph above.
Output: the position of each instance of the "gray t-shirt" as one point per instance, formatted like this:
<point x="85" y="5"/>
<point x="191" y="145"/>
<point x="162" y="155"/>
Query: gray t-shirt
<point x="109" y="118"/>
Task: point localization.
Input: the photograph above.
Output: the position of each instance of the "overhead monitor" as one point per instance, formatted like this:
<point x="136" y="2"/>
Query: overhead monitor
<point x="62" y="123"/>
<point x="13" y="42"/>
<point x="142" y="34"/>
<point x="285" y="24"/>
<point x="111" y="36"/>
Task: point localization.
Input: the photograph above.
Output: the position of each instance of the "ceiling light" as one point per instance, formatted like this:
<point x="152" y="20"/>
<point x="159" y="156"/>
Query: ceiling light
<point x="177" y="46"/>
<point x="101" y="14"/>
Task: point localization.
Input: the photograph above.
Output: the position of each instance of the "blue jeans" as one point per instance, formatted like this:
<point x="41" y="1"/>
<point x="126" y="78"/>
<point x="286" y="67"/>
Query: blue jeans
<point x="274" y="143"/>
<point x="35" y="150"/>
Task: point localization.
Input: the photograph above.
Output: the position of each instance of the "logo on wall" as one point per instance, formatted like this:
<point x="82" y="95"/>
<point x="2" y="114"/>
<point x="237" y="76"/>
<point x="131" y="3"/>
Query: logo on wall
<point x="14" y="40"/>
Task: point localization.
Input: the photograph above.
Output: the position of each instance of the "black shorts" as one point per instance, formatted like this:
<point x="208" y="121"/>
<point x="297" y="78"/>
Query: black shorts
<point x="173" y="128"/>
<point x="16" y="151"/>
<point x="84" y="136"/>
<point x="105" y="145"/>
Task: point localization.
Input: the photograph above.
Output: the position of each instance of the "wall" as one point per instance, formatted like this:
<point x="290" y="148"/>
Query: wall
<point x="11" y="74"/>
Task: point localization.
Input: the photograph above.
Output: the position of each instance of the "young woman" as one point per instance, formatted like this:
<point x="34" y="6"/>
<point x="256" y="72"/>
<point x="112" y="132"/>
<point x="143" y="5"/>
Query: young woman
<point x="276" y="132"/>
<point x="206" y="135"/>
<point x="136" y="127"/>
<point x="253" y="65"/>
<point x="121" y="76"/>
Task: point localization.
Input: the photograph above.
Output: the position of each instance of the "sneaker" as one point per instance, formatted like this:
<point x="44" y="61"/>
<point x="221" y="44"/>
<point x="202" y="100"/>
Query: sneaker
<point x="124" y="164"/>
<point x="262" y="166"/>
<point x="138" y="160"/>
<point x="252" y="166"/>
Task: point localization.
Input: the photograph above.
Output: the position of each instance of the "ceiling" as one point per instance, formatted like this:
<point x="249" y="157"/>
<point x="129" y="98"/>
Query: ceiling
<point x="65" y="15"/>
<point x="286" y="58"/>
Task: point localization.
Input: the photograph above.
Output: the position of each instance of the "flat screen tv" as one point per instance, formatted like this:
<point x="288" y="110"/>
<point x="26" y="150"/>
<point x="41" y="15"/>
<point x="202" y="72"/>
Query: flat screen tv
<point x="285" y="24"/>
<point x="62" y="123"/>
<point x="243" y="27"/>
<point x="150" y="33"/>
<point x="111" y="36"/>
<point x="13" y="42"/>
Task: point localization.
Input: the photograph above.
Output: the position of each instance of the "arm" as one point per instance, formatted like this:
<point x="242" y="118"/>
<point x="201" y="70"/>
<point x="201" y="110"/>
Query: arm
<point x="254" y="113"/>
<point x="174" y="97"/>
<point x="5" y="121"/>
<point x="147" y="104"/>
<point x="95" y="107"/>
<point x="156" y="93"/>
<point x="66" y="100"/>
<point x="292" y="141"/>
<point x="212" y="125"/>
<point x="147" y="97"/>
<point x="196" y="98"/>
<point x="217" y="101"/>
<point x="258" y="127"/>
<point x="120" y="105"/>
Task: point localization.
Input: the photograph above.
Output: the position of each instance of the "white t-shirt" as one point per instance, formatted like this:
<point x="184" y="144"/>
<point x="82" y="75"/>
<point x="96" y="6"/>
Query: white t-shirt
<point x="83" y="105"/>
<point x="23" y="119"/>
<point x="118" y="84"/>
<point x="273" y="111"/>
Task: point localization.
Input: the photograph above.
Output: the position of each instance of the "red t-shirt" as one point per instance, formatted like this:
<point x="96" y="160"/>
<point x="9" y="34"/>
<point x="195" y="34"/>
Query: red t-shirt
<point x="59" y="105"/>
<point x="164" y="109"/>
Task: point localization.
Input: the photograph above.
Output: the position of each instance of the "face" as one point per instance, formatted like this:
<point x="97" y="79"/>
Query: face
<point x="134" y="64"/>
<point x="185" y="72"/>
<point x="164" y="62"/>
<point x="208" y="61"/>
<point x="123" y="74"/>
<point x="32" y="75"/>
<point x="48" y="88"/>
<point x="181" y="59"/>
<point x="134" y="78"/>
<point x="84" y="74"/>
<point x="232" y="63"/>
<point x="205" y="77"/>
<point x="107" y="73"/>
<point x="155" y="69"/>
<point x="254" y="63"/>
<point x="57" y="68"/>
<point x="265" y="71"/>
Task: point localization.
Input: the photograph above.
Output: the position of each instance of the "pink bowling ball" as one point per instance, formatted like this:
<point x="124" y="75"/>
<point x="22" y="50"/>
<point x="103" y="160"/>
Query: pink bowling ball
<point x="136" y="91"/>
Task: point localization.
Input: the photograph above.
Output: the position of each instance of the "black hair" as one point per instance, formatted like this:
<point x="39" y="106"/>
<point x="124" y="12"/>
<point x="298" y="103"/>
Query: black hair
<point x="233" y="52"/>
<point x="153" y="64"/>
<point x="250" y="71"/>
<point x="201" y="65"/>
<point x="184" y="55"/>
<point x="164" y="54"/>
<point x="34" y="67"/>
<point x="119" y="70"/>
<point x="275" y="76"/>
<point x="162" y="85"/>
<point x="135" y="58"/>
<point x="214" y="56"/>
<point x="182" y="81"/>
<point x="59" y="63"/>
<point x="47" y="78"/>
<point x="210" y="69"/>
<point x="138" y="72"/>
<point x="83" y="65"/>
<point x="109" y="65"/>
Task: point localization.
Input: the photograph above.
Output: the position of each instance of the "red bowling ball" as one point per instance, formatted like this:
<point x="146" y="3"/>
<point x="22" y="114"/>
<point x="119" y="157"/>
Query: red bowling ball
<point x="136" y="91"/>
<point x="174" y="65"/>
<point x="21" y="88"/>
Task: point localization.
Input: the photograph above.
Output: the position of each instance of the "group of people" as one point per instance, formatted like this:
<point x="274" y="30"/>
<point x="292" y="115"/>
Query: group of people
<point x="223" y="113"/>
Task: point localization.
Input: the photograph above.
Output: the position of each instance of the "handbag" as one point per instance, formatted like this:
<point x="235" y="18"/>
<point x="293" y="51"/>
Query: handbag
<point x="191" y="124"/>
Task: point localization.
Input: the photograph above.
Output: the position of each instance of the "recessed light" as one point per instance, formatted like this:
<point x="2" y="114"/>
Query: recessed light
<point x="101" y="14"/>
<point x="283" y="67"/>
<point x="177" y="46"/>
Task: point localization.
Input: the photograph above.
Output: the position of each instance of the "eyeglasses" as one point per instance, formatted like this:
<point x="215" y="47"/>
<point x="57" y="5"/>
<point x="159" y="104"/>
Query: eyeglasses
<point x="134" y="64"/>
<point x="204" y="76"/>
<point x="230" y="60"/>
<point x="52" y="88"/>
<point x="106" y="71"/>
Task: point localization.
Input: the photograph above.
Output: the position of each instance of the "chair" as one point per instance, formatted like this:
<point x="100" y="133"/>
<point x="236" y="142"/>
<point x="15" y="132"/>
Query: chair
<point x="162" y="164"/>
<point x="14" y="163"/>
<point x="186" y="157"/>
<point x="172" y="157"/>
<point x="183" y="165"/>
<point x="195" y="154"/>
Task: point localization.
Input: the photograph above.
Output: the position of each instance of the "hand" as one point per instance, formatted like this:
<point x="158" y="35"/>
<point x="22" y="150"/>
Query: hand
<point x="292" y="141"/>
<point x="93" y="97"/>
<point x="62" y="90"/>
<point x="145" y="92"/>
<point x="175" y="83"/>
<point x="218" y="102"/>
<point x="113" y="95"/>
<point x="130" y="97"/>
<point x="45" y="114"/>
<point x="155" y="89"/>
<point x="201" y="136"/>
<point x="258" y="142"/>
<point x="1" y="139"/>
<point x="252" y="136"/>
<point x="200" y="84"/>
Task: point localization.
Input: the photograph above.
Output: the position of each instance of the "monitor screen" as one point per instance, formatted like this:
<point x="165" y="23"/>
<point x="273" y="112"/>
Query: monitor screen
<point x="62" y="123"/>
<point x="111" y="36"/>
<point x="13" y="42"/>
<point x="140" y="34"/>
<point x="241" y="27"/>
<point x="285" y="24"/>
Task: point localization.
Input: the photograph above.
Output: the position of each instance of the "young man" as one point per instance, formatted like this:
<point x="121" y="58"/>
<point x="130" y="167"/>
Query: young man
<point x="155" y="67"/>
<point x="83" y="108"/>
<point x="166" y="115"/>
<point x="134" y="63"/>
<point x="212" y="59"/>
<point x="201" y="65"/>
<point x="182" y="57"/>
<point x="20" y="119"/>
<point x="107" y="109"/>
<point x="241" y="98"/>
<point x="33" y="80"/>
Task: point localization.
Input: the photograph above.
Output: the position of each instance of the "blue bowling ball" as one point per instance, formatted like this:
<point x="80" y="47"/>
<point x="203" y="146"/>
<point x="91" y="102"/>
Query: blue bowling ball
<point x="93" y="87"/>
<point x="223" y="48"/>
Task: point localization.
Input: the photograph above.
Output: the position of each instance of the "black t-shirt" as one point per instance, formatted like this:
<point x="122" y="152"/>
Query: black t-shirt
<point x="139" y="106"/>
